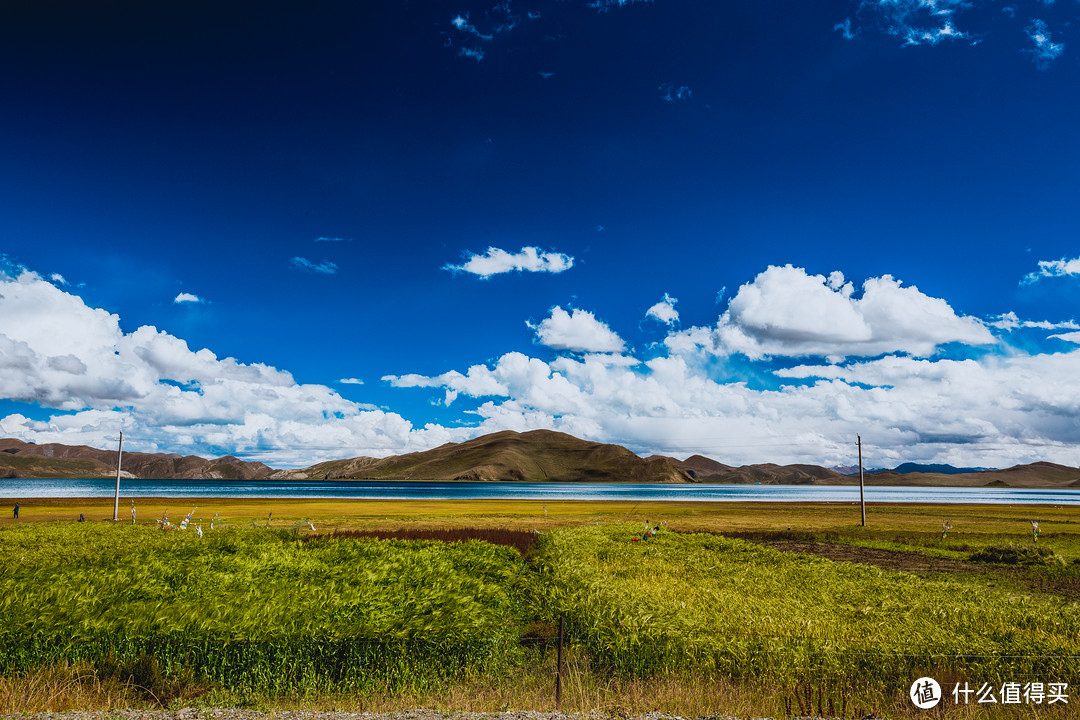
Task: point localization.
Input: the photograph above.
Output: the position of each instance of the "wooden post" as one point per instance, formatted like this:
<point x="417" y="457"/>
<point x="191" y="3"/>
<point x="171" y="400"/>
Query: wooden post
<point x="116" y="499"/>
<point x="862" y="494"/>
<point x="558" y="668"/>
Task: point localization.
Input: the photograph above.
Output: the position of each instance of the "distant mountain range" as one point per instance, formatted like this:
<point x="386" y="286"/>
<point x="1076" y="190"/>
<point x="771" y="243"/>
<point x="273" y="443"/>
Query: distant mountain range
<point x="535" y="456"/>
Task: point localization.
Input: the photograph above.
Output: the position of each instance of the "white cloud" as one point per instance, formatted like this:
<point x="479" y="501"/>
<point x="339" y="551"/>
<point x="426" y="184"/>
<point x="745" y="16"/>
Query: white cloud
<point x="1073" y="337"/>
<point x="845" y="28"/>
<point x="58" y="353"/>
<point x="664" y="311"/>
<point x="529" y="259"/>
<point x="995" y="412"/>
<point x="1003" y="408"/>
<point x="787" y="312"/>
<point x="917" y="22"/>
<point x="58" y="279"/>
<point x="577" y="331"/>
<point x="187" y="298"/>
<point x="324" y="268"/>
<point x="1045" y="51"/>
<point x="1011" y="321"/>
<point x="1065" y="267"/>
<point x="351" y="381"/>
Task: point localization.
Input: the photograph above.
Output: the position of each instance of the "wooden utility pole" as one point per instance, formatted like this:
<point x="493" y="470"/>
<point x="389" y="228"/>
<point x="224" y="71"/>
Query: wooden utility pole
<point x="558" y="668"/>
<point x="862" y="492"/>
<point x="116" y="499"/>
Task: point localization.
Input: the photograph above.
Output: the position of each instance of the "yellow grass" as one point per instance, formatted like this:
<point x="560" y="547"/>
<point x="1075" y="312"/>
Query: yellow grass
<point x="541" y="515"/>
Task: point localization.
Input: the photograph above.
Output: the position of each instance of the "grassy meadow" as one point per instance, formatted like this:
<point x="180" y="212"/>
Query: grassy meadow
<point x="732" y="608"/>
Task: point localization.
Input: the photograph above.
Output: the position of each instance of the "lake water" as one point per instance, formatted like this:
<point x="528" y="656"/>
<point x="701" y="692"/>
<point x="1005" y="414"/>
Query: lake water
<point x="387" y="490"/>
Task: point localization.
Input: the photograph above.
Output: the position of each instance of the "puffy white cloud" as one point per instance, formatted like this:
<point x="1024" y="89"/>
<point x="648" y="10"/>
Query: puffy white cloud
<point x="787" y="312"/>
<point x="58" y="279"/>
<point x="187" y="298"/>
<point x="996" y="412"/>
<point x="1065" y="267"/>
<point x="1046" y="50"/>
<point x="478" y="382"/>
<point x="577" y="331"/>
<point x="1003" y="408"/>
<point x="664" y="311"/>
<point x="324" y="268"/>
<point x="496" y="262"/>
<point x="351" y="381"/>
<point x="56" y="352"/>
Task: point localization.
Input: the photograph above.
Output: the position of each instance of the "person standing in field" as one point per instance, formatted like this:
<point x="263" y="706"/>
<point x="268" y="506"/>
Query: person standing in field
<point x="16" y="511"/>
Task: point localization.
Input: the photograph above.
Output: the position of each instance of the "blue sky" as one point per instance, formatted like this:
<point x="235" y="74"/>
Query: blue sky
<point x="750" y="230"/>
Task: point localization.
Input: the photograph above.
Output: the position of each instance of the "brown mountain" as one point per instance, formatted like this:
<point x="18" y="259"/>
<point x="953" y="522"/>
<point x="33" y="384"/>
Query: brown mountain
<point x="704" y="470"/>
<point x="1033" y="475"/>
<point x="21" y="459"/>
<point x="534" y="456"/>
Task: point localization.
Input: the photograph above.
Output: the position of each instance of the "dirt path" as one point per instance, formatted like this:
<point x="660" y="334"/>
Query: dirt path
<point x="887" y="559"/>
<point x="1020" y="578"/>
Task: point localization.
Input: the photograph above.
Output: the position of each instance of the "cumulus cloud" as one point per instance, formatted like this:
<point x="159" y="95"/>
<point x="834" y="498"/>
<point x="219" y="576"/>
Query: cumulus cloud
<point x="1045" y="51"/>
<point x="577" y="331"/>
<point x="1000" y="409"/>
<point x="58" y="353"/>
<point x="995" y="412"/>
<point x="529" y="259"/>
<point x="187" y="298"/>
<point x="58" y="279"/>
<point x="787" y="312"/>
<point x="324" y="268"/>
<point x="664" y="311"/>
<point x="1064" y="267"/>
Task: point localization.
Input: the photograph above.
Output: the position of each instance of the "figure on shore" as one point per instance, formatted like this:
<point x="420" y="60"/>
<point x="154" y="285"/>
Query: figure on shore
<point x="82" y="517"/>
<point x="1034" y="530"/>
<point x="16" y="511"/>
<point x="946" y="526"/>
<point x="132" y="511"/>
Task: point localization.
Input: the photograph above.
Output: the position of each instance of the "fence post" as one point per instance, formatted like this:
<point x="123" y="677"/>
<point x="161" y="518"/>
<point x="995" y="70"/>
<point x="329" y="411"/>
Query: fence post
<point x="558" y="668"/>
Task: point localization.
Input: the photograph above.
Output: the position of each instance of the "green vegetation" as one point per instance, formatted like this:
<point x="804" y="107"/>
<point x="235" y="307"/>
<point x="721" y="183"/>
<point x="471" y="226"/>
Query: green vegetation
<point x="1016" y="555"/>
<point x="708" y="603"/>
<point x="258" y="609"/>
<point x="254" y="615"/>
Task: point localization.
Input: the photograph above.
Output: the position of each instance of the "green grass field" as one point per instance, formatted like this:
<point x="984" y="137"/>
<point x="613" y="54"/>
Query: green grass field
<point x="726" y="610"/>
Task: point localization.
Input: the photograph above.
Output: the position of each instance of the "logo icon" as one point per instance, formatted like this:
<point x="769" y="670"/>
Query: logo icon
<point x="925" y="693"/>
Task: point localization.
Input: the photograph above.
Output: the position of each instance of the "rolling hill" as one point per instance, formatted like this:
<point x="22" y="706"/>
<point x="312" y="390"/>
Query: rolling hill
<point x="28" y="460"/>
<point x="534" y="456"/>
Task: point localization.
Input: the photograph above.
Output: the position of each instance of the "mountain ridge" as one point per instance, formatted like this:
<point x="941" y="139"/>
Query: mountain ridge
<point x="507" y="456"/>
